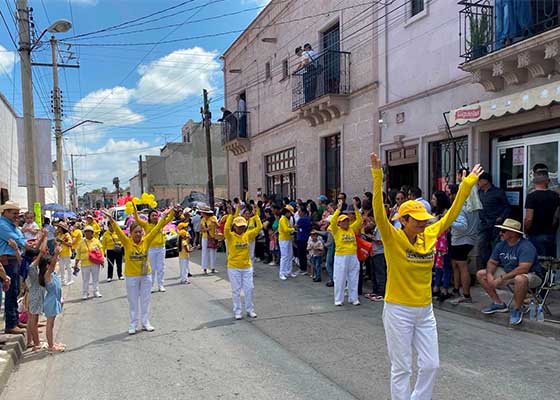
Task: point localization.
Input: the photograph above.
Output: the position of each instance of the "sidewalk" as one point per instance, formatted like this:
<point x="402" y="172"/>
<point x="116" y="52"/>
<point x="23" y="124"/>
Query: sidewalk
<point x="549" y="328"/>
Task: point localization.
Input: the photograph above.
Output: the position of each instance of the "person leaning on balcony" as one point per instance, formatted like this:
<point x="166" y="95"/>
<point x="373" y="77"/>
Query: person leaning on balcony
<point x="242" y="115"/>
<point x="229" y="121"/>
<point x="408" y="315"/>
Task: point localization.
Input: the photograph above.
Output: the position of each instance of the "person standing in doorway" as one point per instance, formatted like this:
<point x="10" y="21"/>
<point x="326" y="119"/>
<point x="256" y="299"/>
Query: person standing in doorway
<point x="242" y="114"/>
<point x="408" y="316"/>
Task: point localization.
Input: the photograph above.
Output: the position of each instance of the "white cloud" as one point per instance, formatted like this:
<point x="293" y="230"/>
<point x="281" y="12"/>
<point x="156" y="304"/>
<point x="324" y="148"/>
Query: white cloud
<point x="116" y="158"/>
<point x="111" y="106"/>
<point x="177" y="76"/>
<point x="7" y="60"/>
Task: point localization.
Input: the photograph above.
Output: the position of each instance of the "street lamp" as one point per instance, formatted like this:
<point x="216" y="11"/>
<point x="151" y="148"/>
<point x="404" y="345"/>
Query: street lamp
<point x="58" y="26"/>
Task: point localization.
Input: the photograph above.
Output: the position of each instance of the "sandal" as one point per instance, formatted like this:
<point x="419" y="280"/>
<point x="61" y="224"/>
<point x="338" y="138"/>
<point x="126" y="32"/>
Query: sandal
<point x="56" y="349"/>
<point x="370" y="296"/>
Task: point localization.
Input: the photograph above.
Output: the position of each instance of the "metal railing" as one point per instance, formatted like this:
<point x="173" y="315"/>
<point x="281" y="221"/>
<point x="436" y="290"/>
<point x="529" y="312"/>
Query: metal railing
<point x="327" y="74"/>
<point x="486" y="26"/>
<point x="234" y="126"/>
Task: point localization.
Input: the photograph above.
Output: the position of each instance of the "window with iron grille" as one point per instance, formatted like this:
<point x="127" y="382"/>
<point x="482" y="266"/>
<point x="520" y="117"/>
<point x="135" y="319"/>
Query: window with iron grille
<point x="285" y="69"/>
<point x="280" y="174"/>
<point x="267" y="73"/>
<point x="416" y="7"/>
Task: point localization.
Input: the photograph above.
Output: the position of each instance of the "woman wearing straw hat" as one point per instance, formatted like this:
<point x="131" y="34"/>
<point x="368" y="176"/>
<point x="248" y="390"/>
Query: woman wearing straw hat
<point x="408" y="316"/>
<point x="208" y="226"/>
<point x="240" y="267"/>
<point x="285" y="232"/>
<point x="137" y="268"/>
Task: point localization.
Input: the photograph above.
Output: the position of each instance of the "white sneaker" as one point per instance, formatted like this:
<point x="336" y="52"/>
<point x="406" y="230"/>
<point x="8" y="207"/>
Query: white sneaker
<point x="356" y="303"/>
<point x="252" y="314"/>
<point x="283" y="278"/>
<point x="85" y="296"/>
<point x="131" y="330"/>
<point x="121" y="278"/>
<point x="272" y="263"/>
<point x="303" y="272"/>
<point x="293" y="275"/>
<point x="148" y="327"/>
<point x="97" y="294"/>
<point x="153" y="290"/>
<point x="69" y="283"/>
<point x="238" y="317"/>
<point x="162" y="289"/>
<point x="338" y="304"/>
<point x="109" y="279"/>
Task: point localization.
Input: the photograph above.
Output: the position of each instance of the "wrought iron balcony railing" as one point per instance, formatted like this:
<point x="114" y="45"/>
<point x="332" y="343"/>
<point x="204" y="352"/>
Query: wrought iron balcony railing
<point x="328" y="74"/>
<point x="235" y="126"/>
<point x="486" y="26"/>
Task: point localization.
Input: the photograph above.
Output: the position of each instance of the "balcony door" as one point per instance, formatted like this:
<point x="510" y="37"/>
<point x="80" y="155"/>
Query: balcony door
<point x="332" y="165"/>
<point x="330" y="45"/>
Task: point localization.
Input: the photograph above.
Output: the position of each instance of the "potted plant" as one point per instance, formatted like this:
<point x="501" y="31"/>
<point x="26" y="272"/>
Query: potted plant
<point x="480" y="32"/>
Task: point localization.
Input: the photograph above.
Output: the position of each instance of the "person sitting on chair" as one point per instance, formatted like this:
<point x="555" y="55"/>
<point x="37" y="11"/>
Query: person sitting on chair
<point x="514" y="261"/>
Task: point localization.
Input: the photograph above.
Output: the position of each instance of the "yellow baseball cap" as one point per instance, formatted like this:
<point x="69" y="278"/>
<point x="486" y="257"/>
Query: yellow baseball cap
<point x="240" y="222"/>
<point x="415" y="209"/>
<point x="341" y="218"/>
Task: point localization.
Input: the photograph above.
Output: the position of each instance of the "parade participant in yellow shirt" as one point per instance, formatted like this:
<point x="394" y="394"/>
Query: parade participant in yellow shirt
<point x="240" y="268"/>
<point x="346" y="269"/>
<point x="64" y="240"/>
<point x="113" y="252"/>
<point x="408" y="316"/>
<point x="76" y="232"/>
<point x="250" y="217"/>
<point x="285" y="232"/>
<point x="137" y="268"/>
<point x="183" y="239"/>
<point x="156" y="253"/>
<point x="90" y="221"/>
<point x="208" y="226"/>
<point x="89" y="269"/>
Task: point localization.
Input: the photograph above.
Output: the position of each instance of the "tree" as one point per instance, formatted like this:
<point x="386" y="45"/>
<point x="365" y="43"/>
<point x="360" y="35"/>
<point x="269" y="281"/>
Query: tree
<point x="116" y="182"/>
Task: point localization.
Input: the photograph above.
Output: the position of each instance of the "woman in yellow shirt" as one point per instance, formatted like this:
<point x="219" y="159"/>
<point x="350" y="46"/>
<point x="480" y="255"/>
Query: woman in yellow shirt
<point x="89" y="269"/>
<point x="346" y="267"/>
<point x="156" y="254"/>
<point x="285" y="232"/>
<point x="137" y="268"/>
<point x="64" y="240"/>
<point x="113" y="252"/>
<point x="408" y="316"/>
<point x="90" y="221"/>
<point x="208" y="226"/>
<point x="75" y="231"/>
<point x="183" y="239"/>
<point x="240" y="267"/>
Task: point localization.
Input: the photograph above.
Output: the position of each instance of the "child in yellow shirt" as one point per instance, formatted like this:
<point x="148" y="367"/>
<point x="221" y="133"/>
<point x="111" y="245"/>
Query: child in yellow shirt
<point x="184" y="249"/>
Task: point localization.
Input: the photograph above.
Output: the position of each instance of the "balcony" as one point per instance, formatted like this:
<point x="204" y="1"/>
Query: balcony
<point x="235" y="133"/>
<point x="320" y="89"/>
<point x="509" y="42"/>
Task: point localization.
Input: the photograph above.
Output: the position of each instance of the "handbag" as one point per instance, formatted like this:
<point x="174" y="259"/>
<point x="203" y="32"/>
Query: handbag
<point x="364" y="248"/>
<point x="212" y="243"/>
<point x="118" y="248"/>
<point x="95" y="256"/>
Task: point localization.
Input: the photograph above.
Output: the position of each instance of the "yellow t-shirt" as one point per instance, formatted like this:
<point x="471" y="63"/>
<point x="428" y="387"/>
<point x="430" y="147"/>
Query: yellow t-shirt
<point x="184" y="250"/>
<point x="211" y="223"/>
<point x="76" y="238"/>
<point x="136" y="254"/>
<point x="238" y="245"/>
<point x="96" y="229"/>
<point x="109" y="240"/>
<point x="252" y="223"/>
<point x="345" y="239"/>
<point x="159" y="239"/>
<point x="65" y="251"/>
<point x="85" y="246"/>
<point x="409" y="266"/>
<point x="285" y="230"/>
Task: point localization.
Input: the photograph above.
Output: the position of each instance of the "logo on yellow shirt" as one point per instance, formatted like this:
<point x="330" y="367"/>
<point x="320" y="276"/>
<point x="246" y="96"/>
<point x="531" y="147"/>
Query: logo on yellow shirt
<point x="348" y="238"/>
<point x="421" y="258"/>
<point x="241" y="246"/>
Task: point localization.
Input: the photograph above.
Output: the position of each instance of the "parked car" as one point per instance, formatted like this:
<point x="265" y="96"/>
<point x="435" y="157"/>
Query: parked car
<point x="120" y="215"/>
<point x="171" y="249"/>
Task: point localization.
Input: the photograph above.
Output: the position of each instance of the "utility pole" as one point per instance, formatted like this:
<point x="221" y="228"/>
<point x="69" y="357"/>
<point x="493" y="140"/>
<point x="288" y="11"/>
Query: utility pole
<point x="74" y="193"/>
<point x="206" y="121"/>
<point x="57" y="111"/>
<point x="141" y="174"/>
<point x="31" y="172"/>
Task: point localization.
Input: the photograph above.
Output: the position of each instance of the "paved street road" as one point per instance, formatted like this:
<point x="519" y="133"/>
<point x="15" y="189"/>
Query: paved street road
<point x="300" y="347"/>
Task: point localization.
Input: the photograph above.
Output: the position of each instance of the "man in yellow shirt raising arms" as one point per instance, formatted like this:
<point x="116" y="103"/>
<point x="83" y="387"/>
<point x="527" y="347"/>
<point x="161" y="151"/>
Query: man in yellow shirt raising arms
<point x="408" y="316"/>
<point x="239" y="265"/>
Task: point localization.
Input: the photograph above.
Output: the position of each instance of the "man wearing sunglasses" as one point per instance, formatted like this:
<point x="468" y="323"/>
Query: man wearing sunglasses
<point x="513" y="260"/>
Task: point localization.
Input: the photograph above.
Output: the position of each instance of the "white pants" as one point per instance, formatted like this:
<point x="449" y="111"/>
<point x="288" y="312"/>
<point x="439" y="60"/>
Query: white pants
<point x="208" y="255"/>
<point x="406" y="327"/>
<point x="241" y="279"/>
<point x="65" y="269"/>
<point x="93" y="271"/>
<point x="346" y="269"/>
<point x="156" y="257"/>
<point x="138" y="291"/>
<point x="183" y="269"/>
<point x="286" y="255"/>
<point x="252" y="252"/>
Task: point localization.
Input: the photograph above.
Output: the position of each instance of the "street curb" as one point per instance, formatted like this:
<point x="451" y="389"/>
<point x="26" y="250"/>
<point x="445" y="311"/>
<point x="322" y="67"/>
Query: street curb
<point x="550" y="330"/>
<point x="11" y="352"/>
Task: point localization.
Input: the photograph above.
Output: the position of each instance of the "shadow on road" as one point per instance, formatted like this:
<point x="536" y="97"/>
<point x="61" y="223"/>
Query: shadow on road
<point x="215" y="324"/>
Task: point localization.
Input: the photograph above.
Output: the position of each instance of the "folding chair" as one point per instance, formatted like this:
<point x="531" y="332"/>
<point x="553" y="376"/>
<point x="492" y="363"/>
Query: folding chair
<point x="550" y="282"/>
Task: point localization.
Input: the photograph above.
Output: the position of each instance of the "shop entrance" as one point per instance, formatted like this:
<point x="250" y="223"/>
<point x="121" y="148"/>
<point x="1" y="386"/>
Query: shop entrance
<point x="515" y="161"/>
<point x="402" y="168"/>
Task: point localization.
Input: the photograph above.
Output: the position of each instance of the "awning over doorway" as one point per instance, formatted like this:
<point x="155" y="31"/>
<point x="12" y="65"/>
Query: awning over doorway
<point x="525" y="100"/>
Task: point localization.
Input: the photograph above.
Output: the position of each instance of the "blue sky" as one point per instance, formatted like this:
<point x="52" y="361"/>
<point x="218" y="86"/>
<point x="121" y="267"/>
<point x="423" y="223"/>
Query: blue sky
<point x="143" y="94"/>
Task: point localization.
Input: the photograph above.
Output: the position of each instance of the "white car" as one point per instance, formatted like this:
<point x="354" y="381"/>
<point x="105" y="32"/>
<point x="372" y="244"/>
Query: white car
<point x="119" y="215"/>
